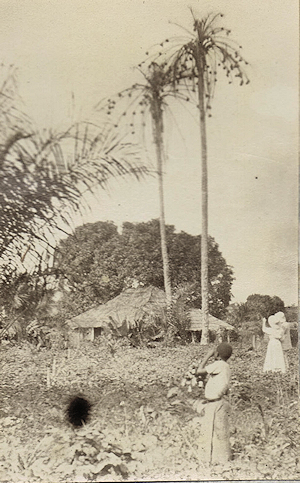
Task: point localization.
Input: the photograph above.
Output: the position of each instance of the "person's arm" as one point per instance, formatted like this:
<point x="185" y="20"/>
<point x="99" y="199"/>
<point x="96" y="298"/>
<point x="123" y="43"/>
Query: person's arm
<point x="200" y="371"/>
<point x="264" y="328"/>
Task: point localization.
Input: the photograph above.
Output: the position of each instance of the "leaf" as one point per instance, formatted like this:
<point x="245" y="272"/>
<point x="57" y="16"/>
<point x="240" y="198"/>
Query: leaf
<point x="175" y="402"/>
<point x="172" y="392"/>
<point x="111" y="460"/>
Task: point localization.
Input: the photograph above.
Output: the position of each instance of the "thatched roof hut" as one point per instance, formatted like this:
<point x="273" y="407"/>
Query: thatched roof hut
<point x="215" y="324"/>
<point x="123" y="312"/>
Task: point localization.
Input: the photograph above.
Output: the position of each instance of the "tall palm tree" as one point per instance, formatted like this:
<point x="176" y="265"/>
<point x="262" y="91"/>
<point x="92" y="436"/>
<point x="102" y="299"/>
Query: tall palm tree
<point x="195" y="64"/>
<point x="156" y="85"/>
<point x="151" y="96"/>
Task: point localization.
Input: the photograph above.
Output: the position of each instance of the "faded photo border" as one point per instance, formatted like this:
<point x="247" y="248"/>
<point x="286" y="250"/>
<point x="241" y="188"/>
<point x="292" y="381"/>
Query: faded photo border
<point x="149" y="219"/>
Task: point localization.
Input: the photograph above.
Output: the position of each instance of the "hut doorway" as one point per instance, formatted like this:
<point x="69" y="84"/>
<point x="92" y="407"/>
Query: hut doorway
<point x="97" y="332"/>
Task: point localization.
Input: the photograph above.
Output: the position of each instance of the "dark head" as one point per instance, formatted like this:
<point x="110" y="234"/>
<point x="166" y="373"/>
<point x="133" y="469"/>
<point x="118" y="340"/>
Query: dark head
<point x="224" y="351"/>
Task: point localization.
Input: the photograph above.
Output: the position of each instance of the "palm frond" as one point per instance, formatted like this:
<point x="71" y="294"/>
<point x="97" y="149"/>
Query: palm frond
<point x="209" y="50"/>
<point x="45" y="175"/>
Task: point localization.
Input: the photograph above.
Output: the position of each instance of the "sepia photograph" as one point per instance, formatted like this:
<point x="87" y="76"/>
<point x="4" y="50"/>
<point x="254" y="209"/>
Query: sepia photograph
<point x="149" y="197"/>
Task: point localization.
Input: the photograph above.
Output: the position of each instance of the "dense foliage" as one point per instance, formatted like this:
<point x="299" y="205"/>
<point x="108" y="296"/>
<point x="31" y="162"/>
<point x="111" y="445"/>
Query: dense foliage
<point x="99" y="263"/>
<point x="248" y="316"/>
<point x="264" y="305"/>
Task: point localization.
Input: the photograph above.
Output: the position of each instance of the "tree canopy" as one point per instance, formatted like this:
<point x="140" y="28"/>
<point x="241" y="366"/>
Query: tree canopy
<point x="248" y="315"/>
<point x="99" y="262"/>
<point x="264" y="305"/>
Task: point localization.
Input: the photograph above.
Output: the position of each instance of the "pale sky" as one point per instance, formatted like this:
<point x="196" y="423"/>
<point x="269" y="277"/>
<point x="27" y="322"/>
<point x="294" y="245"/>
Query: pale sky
<point x="89" y="47"/>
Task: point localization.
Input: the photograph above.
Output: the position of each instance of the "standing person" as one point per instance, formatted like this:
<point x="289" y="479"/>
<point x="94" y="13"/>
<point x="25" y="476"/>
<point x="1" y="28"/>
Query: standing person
<point x="286" y="342"/>
<point x="214" y="441"/>
<point x="274" y="360"/>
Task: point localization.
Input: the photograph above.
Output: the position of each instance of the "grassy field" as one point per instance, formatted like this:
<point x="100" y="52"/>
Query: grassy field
<point x="142" y="424"/>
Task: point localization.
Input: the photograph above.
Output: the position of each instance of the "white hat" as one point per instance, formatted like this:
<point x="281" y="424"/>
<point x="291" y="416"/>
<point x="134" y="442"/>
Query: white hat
<point x="280" y="316"/>
<point x="274" y="320"/>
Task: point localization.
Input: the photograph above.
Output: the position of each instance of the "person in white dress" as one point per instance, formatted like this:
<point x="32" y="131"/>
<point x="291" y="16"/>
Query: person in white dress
<point x="275" y="360"/>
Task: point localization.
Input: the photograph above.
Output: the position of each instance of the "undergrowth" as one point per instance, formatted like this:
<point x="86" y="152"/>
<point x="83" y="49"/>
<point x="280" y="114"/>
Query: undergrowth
<point x="142" y="425"/>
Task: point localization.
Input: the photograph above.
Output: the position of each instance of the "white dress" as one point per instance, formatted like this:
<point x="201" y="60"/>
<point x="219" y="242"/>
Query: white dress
<point x="274" y="360"/>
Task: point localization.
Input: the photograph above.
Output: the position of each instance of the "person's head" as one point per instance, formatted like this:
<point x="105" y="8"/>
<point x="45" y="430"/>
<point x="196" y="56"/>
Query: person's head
<point x="224" y="351"/>
<point x="276" y="319"/>
<point x="280" y="316"/>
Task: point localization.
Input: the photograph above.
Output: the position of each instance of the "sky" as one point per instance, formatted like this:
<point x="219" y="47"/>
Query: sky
<point x="87" y="50"/>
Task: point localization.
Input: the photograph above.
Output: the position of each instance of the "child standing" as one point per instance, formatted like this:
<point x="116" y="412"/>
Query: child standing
<point x="214" y="442"/>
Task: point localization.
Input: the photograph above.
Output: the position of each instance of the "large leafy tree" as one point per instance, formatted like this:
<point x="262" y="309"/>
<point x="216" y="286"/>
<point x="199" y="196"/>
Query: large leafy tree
<point x="195" y="64"/>
<point x="98" y="263"/>
<point x="247" y="316"/>
<point x="264" y="305"/>
<point x="88" y="259"/>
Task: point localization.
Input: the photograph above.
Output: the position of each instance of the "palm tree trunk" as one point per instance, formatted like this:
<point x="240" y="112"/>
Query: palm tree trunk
<point x="157" y="134"/>
<point x="204" y="196"/>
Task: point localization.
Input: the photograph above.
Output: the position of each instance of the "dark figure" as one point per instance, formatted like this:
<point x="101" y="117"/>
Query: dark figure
<point x="214" y="439"/>
<point x="78" y="411"/>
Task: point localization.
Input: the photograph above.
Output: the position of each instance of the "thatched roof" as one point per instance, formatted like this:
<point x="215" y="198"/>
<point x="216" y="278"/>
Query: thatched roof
<point x="129" y="307"/>
<point x="214" y="323"/>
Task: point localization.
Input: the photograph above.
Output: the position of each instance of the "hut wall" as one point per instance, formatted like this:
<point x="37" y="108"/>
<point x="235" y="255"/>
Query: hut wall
<point x="73" y="338"/>
<point x="78" y="335"/>
<point x="87" y="333"/>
